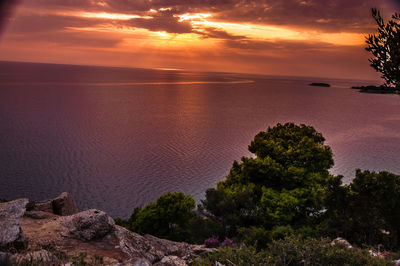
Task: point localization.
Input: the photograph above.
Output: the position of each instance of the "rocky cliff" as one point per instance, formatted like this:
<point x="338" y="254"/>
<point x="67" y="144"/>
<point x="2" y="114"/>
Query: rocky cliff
<point x="53" y="232"/>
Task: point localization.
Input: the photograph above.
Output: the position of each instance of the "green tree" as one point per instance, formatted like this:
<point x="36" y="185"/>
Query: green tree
<point x="335" y="221"/>
<point x="173" y="217"/>
<point x="376" y="208"/>
<point x="385" y="48"/>
<point x="367" y="211"/>
<point x="161" y="218"/>
<point x="281" y="185"/>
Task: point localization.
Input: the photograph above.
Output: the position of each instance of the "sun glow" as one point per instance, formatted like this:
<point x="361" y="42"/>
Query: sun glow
<point x="111" y="16"/>
<point x="266" y="32"/>
<point x="193" y="17"/>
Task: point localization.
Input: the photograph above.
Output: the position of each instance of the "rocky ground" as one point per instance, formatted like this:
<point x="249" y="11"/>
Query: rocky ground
<point x="53" y="232"/>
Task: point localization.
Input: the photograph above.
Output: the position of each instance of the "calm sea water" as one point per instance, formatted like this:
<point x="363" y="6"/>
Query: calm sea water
<point x="118" y="138"/>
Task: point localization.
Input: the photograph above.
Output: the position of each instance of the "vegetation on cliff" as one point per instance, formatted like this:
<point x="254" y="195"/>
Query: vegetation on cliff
<point x="294" y="251"/>
<point x="284" y="191"/>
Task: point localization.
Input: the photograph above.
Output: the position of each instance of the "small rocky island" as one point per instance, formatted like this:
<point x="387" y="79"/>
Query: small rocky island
<point x="53" y="232"/>
<point x="316" y="84"/>
<point x="377" y="89"/>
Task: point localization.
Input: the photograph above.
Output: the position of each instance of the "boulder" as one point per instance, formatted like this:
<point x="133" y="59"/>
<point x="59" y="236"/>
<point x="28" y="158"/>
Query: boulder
<point x="41" y="206"/>
<point x="56" y="239"/>
<point x="171" y="261"/>
<point x="155" y="249"/>
<point x="198" y="250"/>
<point x="168" y="247"/>
<point x="342" y="242"/>
<point x="62" y="205"/>
<point x="88" y="225"/>
<point x="136" y="246"/>
<point x="11" y="236"/>
<point x="135" y="262"/>
<point x="38" y="214"/>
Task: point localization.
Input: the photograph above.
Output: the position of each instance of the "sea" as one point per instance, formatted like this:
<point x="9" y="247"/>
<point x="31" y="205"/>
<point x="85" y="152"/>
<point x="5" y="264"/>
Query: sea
<point x="118" y="138"/>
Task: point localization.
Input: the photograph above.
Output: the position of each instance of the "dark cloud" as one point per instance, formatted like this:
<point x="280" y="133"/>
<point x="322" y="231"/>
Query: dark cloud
<point x="323" y="15"/>
<point x="33" y="23"/>
<point x="71" y="39"/>
<point x="287" y="47"/>
<point x="319" y="15"/>
<point x="218" y="34"/>
<point x="161" y="21"/>
<point x="41" y="32"/>
<point x="54" y="29"/>
<point x="88" y="40"/>
<point x="6" y="8"/>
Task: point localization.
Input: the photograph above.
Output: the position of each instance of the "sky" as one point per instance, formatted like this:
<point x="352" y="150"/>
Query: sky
<point x="321" y="38"/>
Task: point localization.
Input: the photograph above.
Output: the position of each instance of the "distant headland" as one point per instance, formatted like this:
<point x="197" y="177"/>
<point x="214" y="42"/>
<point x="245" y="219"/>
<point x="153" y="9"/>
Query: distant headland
<point x="378" y="89"/>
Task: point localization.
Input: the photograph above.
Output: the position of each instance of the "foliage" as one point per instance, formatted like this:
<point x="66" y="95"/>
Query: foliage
<point x="163" y="218"/>
<point x="284" y="190"/>
<point x="212" y="242"/>
<point x="79" y="260"/>
<point x="281" y="185"/>
<point x="230" y="208"/>
<point x="173" y="217"/>
<point x="310" y="251"/>
<point x="233" y="256"/>
<point x="256" y="237"/>
<point x="293" y="251"/>
<point x="385" y="48"/>
<point x="228" y="243"/>
<point x="291" y="145"/>
<point x="197" y="229"/>
<point x="121" y="222"/>
<point x="367" y="211"/>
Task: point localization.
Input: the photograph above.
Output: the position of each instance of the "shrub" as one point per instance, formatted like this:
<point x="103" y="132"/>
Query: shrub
<point x="294" y="251"/>
<point x="228" y="243"/>
<point x="212" y="242"/>
<point x="235" y="256"/>
<point x="256" y="237"/>
<point x="297" y="251"/>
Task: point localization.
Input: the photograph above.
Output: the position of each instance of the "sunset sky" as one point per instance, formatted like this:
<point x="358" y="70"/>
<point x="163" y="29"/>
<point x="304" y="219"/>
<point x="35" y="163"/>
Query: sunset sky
<point x="285" y="37"/>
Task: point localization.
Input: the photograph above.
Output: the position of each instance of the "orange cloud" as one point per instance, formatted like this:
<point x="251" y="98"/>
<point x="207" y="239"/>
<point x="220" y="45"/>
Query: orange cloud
<point x="294" y="37"/>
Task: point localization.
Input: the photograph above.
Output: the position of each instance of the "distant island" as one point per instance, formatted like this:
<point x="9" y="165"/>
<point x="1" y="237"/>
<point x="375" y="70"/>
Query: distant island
<point x="320" y="84"/>
<point x="378" y="89"/>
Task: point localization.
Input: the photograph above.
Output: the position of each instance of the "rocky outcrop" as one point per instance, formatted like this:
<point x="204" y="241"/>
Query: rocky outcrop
<point x="135" y="262"/>
<point x="179" y="249"/>
<point x="89" y="237"/>
<point x="11" y="236"/>
<point x="41" y="257"/>
<point x="88" y="225"/>
<point x="171" y="261"/>
<point x="37" y="214"/>
<point x="62" y="205"/>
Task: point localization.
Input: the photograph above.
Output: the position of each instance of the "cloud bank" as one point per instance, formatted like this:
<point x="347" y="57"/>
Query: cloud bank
<point x="185" y="33"/>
